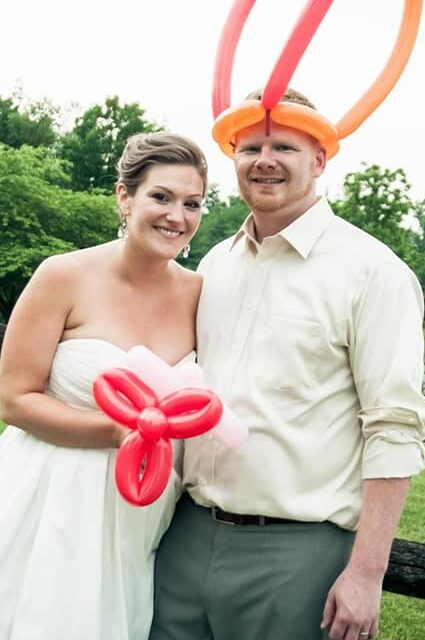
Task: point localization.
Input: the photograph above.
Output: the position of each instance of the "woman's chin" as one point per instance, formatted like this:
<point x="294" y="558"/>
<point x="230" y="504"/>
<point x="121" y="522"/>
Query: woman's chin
<point x="169" y="253"/>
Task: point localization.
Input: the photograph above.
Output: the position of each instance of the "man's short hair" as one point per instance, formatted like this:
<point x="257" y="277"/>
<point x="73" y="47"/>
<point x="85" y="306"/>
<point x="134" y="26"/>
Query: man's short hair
<point x="290" y="95"/>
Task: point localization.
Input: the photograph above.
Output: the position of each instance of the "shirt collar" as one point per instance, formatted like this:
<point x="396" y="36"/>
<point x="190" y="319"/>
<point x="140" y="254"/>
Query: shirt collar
<point x="247" y="231"/>
<point x="305" y="231"/>
<point x="302" y="234"/>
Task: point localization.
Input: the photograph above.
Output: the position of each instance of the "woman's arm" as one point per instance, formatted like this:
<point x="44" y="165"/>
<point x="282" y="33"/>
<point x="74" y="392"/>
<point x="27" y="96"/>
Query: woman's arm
<point x="34" y="330"/>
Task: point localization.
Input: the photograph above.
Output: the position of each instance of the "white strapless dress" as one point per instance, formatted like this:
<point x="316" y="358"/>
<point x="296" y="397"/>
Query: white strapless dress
<point x="76" y="561"/>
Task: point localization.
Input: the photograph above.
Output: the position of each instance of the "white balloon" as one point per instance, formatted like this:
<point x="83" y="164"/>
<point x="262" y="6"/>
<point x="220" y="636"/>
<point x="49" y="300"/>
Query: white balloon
<point x="164" y="379"/>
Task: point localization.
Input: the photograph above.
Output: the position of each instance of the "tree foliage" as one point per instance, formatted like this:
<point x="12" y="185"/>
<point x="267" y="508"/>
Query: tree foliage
<point x="38" y="217"/>
<point x="221" y="219"/>
<point x="93" y="146"/>
<point x="33" y="125"/>
<point x="377" y="200"/>
<point x="96" y="142"/>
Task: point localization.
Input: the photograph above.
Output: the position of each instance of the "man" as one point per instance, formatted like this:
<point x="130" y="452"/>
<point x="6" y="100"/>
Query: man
<point x="311" y="330"/>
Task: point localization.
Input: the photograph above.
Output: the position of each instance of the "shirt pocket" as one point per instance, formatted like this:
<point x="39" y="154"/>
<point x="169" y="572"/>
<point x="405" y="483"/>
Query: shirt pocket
<point x="290" y="352"/>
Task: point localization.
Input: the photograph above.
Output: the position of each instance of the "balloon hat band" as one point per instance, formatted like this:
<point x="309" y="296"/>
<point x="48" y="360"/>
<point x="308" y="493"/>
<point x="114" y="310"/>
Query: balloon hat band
<point x="231" y="120"/>
<point x="289" y="114"/>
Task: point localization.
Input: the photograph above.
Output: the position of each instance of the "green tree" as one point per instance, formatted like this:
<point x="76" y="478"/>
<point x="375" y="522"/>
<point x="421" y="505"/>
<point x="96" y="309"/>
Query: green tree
<point x="33" y="125"/>
<point x="377" y="200"/>
<point x="38" y="217"/>
<point x="221" y="220"/>
<point x="420" y="241"/>
<point x="96" y="142"/>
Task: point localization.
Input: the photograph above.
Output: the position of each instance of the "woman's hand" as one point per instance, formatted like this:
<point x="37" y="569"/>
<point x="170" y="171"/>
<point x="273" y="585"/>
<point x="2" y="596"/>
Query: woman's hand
<point x="121" y="434"/>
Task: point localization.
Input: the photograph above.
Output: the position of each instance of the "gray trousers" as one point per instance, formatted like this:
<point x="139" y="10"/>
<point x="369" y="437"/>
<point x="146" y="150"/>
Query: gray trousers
<point x="216" y="581"/>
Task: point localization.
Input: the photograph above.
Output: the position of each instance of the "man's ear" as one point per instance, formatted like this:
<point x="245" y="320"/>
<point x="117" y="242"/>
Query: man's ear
<point x="320" y="161"/>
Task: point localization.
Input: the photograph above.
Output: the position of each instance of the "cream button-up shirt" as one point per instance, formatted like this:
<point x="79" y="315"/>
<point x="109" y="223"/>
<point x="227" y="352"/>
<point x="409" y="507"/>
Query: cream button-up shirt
<point x="314" y="338"/>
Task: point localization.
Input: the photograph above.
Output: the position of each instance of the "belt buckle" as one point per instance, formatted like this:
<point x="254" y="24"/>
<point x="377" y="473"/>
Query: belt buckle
<point x="215" y="517"/>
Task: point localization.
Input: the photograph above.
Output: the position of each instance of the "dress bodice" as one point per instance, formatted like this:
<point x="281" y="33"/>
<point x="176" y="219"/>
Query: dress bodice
<point x="78" y="362"/>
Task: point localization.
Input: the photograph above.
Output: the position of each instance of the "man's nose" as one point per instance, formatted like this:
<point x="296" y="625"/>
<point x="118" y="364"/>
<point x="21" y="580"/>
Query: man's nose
<point x="266" y="159"/>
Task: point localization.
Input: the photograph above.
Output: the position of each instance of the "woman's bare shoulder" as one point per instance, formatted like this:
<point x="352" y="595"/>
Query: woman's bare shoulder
<point x="69" y="265"/>
<point x="188" y="274"/>
<point x="189" y="278"/>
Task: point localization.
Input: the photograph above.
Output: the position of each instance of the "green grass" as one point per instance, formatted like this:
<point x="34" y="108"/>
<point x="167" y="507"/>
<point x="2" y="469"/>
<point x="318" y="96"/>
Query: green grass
<point x="403" y="618"/>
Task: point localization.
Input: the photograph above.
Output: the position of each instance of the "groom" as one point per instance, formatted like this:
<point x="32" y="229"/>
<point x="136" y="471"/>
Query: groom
<point x="311" y="331"/>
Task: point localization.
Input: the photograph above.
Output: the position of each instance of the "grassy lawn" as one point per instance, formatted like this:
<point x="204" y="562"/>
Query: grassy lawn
<point x="402" y="618"/>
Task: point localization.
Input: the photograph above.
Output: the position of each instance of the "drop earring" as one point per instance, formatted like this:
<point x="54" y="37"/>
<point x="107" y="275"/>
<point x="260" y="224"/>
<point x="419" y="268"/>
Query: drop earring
<point x="123" y="226"/>
<point x="186" y="251"/>
<point x="122" y="229"/>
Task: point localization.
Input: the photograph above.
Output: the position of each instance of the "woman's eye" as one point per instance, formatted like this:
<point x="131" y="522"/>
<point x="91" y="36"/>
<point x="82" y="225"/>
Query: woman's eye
<point x="160" y="197"/>
<point x="193" y="205"/>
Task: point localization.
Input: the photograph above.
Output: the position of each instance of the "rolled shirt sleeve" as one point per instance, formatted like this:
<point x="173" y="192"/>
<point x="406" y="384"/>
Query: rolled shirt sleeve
<point x="386" y="352"/>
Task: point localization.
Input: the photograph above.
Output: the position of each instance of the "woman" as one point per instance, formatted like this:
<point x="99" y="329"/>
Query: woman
<point x="76" y="560"/>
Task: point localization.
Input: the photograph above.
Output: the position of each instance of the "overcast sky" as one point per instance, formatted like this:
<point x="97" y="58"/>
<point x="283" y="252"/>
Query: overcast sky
<point x="160" y="53"/>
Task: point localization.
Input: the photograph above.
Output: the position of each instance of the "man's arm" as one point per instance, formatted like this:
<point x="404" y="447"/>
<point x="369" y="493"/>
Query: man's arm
<point x="353" y="602"/>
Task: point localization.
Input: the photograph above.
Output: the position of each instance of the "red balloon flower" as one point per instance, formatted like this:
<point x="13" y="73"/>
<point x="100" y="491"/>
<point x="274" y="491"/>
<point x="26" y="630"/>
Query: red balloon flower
<point x="182" y="414"/>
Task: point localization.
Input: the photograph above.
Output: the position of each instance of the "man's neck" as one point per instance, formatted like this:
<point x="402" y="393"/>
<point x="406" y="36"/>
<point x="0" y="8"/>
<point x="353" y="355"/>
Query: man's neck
<point x="266" y="223"/>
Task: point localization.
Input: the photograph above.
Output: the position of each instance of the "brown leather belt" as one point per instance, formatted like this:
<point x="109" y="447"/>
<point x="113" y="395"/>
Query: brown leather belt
<point x="239" y="519"/>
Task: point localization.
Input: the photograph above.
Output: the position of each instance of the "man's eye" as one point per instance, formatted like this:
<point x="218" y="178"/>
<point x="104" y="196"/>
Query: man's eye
<point x="284" y="148"/>
<point x="193" y="205"/>
<point x="250" y="150"/>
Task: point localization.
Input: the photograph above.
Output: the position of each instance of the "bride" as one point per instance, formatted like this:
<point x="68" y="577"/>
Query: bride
<point x="76" y="560"/>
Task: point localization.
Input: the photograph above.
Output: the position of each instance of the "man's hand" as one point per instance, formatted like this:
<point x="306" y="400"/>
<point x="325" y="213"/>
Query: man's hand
<point x="352" y="606"/>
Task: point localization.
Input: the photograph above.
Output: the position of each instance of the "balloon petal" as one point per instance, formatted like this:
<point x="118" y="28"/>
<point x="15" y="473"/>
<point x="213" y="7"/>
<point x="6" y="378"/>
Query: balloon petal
<point x="192" y="412"/>
<point x="157" y="472"/>
<point x="115" y="405"/>
<point x="139" y="487"/>
<point x="128" y="465"/>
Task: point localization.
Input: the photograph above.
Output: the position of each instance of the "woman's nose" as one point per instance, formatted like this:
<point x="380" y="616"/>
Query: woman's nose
<point x="175" y="212"/>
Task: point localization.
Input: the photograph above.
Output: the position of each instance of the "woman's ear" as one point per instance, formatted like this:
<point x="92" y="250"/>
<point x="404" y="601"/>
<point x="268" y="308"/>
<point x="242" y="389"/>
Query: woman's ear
<point x="122" y="197"/>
